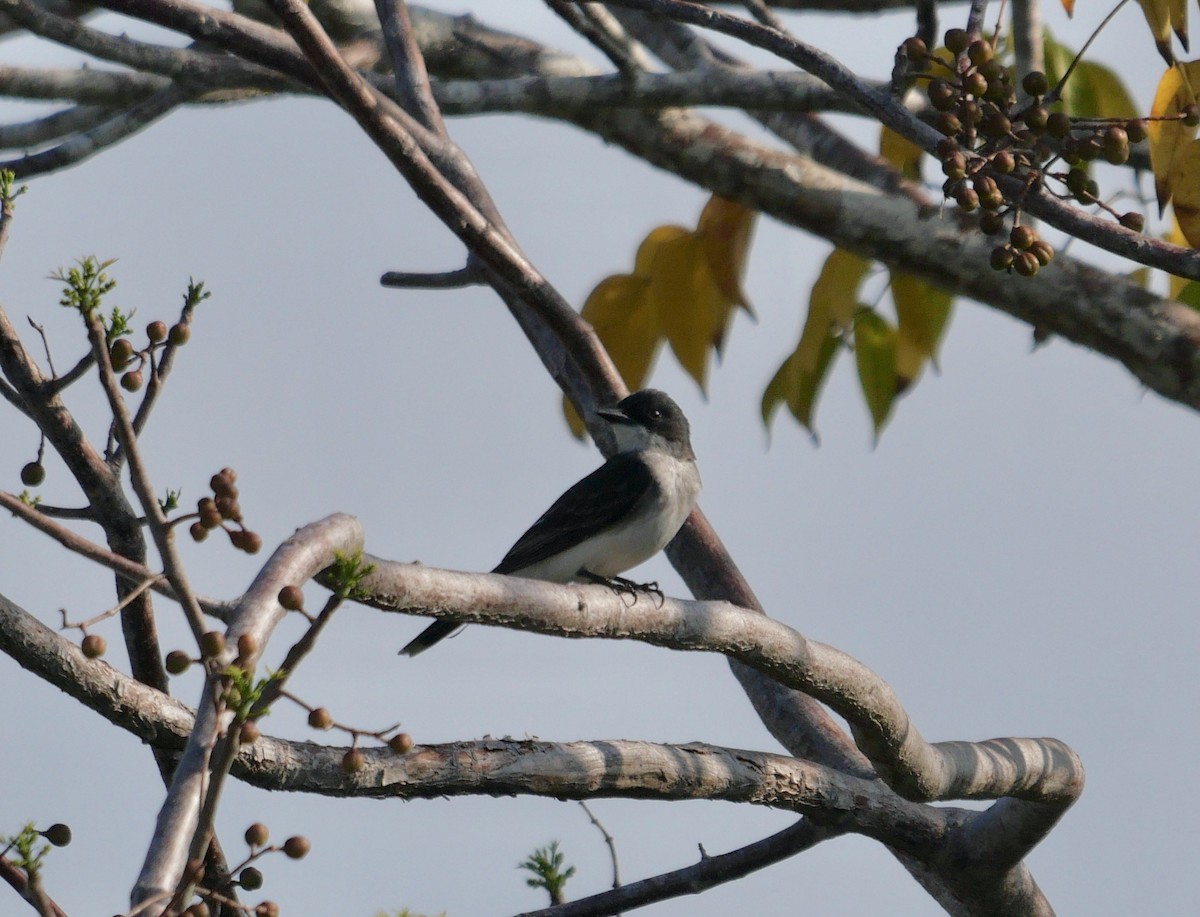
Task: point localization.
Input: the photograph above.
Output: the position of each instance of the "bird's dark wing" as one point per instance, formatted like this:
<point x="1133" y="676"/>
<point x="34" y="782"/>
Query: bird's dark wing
<point x="592" y="505"/>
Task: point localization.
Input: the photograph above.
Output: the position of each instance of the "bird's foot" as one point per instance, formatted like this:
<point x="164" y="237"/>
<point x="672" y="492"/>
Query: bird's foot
<point x="625" y="587"/>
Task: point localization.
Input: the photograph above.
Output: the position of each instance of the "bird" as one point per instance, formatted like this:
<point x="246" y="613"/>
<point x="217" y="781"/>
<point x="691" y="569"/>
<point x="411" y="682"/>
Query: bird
<point x="620" y="515"/>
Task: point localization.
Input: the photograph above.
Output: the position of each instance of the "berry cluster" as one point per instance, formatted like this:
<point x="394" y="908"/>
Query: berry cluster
<point x="215" y="511"/>
<point x="987" y="134"/>
<point x="121" y="352"/>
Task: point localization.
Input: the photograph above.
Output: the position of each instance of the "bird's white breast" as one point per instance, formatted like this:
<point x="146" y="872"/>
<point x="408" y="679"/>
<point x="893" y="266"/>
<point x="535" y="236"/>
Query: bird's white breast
<point x="653" y="523"/>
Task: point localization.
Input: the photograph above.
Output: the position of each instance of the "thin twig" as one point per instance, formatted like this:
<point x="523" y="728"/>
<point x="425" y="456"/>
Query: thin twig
<point x="609" y="840"/>
<point x="408" y="65"/>
<point x="162" y="533"/>
<point x="620" y="51"/>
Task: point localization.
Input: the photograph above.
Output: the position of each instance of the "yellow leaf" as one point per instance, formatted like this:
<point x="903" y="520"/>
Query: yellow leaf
<point x="1158" y="17"/>
<point x="1168" y="138"/>
<point x="875" y="354"/>
<point x="620" y="314"/>
<point x="684" y="296"/>
<point x="799" y="389"/>
<point x="922" y="312"/>
<point x="831" y="304"/>
<point x="1185" y="183"/>
<point x="902" y="153"/>
<point x="726" y="227"/>
<point x="654" y="241"/>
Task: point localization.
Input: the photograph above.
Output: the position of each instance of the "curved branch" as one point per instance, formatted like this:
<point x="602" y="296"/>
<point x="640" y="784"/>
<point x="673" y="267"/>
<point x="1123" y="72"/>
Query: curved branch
<point x="1045" y="770"/>
<point x="312" y="548"/>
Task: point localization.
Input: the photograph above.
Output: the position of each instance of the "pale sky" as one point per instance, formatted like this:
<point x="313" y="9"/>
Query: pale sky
<point x="1016" y="557"/>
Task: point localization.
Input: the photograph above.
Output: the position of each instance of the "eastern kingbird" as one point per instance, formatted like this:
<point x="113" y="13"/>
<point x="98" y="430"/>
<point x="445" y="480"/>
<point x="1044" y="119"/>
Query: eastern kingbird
<point x="620" y="515"/>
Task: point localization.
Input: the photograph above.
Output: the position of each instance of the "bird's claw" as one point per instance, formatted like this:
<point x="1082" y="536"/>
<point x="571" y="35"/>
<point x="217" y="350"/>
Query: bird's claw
<point x="626" y="587"/>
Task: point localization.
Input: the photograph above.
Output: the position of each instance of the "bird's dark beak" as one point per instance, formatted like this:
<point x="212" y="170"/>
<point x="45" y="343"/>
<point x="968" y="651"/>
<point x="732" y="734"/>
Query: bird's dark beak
<point x="614" y="415"/>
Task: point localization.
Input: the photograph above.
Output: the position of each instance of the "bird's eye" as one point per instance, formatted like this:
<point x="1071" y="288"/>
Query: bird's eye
<point x="656" y="414"/>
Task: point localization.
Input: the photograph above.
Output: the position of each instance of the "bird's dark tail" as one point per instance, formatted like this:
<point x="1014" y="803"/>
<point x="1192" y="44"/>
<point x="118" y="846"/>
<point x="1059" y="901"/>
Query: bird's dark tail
<point x="434" y="633"/>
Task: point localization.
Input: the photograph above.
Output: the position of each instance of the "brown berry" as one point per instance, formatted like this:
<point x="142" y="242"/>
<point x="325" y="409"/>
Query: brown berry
<point x="994" y="72"/>
<point x="1026" y="264"/>
<point x="266" y="909"/>
<point x="956" y="40"/>
<point x="198" y="531"/>
<point x="1058" y="124"/>
<point x="212" y="644"/>
<point x="120" y="353"/>
<point x="320" y="718"/>
<point x="249" y="733"/>
<point x="246" y="540"/>
<point x="1116" y="145"/>
<point x="250" y="878"/>
<point x="93" y="646"/>
<point x="1022" y="237"/>
<point x="1001" y="258"/>
<point x="1041" y="250"/>
<point x="942" y="96"/>
<point x="156" y="332"/>
<point x="291" y="598"/>
<point x="1035" y="83"/>
<point x="353" y="761"/>
<point x="979" y="52"/>
<point x="401" y="743"/>
<point x="955" y="165"/>
<point x="222" y="483"/>
<point x="58" y="834"/>
<point x="967" y="199"/>
<point x="1133" y="220"/>
<point x="1136" y="131"/>
<point x="33" y="474"/>
<point x="1191" y="115"/>
<point x="1076" y="181"/>
<point x="178" y="662"/>
<point x="179" y="334"/>
<point x="228" y="508"/>
<point x="1004" y="162"/>
<point x="247" y="645"/>
<point x="976" y="84"/>
<point x="947" y="123"/>
<point x="131" y="381"/>
<point x="296" y="847"/>
<point x="257" y="835"/>
<point x="915" y="48"/>
<point x="1037" y="118"/>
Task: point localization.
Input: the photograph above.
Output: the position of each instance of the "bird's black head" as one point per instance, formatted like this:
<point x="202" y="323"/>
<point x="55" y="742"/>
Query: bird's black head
<point x="649" y="419"/>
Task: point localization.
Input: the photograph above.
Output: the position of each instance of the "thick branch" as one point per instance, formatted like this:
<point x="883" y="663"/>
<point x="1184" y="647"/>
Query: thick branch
<point x="1041" y="769"/>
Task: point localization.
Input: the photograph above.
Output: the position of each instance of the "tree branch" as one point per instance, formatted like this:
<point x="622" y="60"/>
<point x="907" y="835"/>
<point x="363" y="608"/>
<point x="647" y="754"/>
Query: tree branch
<point x="312" y="548"/>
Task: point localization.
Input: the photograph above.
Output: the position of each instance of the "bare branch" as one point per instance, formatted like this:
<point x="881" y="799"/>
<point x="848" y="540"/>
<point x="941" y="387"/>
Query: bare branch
<point x="115" y="129"/>
<point x="709" y="872"/>
<point x="447" y="280"/>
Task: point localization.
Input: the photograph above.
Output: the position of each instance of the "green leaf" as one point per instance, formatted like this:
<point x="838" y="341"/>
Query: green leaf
<point x="875" y="355"/>
<point x="799" y="389"/>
